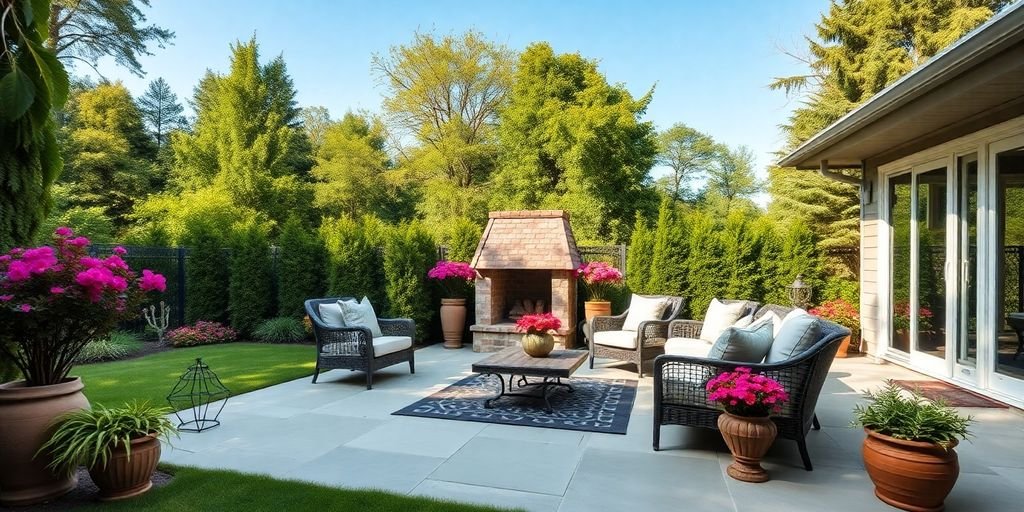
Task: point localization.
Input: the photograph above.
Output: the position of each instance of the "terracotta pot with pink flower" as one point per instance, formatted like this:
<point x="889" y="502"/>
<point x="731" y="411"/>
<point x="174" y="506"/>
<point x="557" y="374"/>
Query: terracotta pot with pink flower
<point x="600" y="279"/>
<point x="538" y="339"/>
<point x="845" y="314"/>
<point x="54" y="299"/>
<point x="455" y="278"/>
<point x="748" y="399"/>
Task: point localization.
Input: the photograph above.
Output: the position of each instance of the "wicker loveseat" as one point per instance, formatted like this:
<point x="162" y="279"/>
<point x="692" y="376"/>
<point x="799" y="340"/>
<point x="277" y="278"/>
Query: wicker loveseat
<point x="637" y="346"/>
<point x="680" y="397"/>
<point x="354" y="348"/>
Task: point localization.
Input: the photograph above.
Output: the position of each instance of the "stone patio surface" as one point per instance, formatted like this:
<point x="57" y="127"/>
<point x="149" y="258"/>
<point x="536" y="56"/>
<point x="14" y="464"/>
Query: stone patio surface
<point x="337" y="433"/>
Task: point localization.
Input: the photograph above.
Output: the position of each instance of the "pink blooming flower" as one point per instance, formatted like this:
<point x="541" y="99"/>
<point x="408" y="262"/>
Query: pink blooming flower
<point x="453" y="276"/>
<point x="599" y="277"/>
<point x="5" y="258"/>
<point x="25" y="308"/>
<point x="120" y="251"/>
<point x="80" y="241"/>
<point x="745" y="393"/>
<point x="90" y="262"/>
<point x="151" y="281"/>
<point x="95" y="279"/>
<point x="114" y="262"/>
<point x="64" y="231"/>
<point x="56" y="290"/>
<point x="6" y="298"/>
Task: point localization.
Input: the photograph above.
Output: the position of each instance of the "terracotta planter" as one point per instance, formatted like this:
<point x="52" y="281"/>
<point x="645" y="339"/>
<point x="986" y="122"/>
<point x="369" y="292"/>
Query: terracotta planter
<point x="538" y="345"/>
<point x="844" y="348"/>
<point x="453" y="321"/>
<point x="748" y="440"/>
<point x="26" y="416"/>
<point x="128" y="475"/>
<point x="592" y="308"/>
<point x="910" y="475"/>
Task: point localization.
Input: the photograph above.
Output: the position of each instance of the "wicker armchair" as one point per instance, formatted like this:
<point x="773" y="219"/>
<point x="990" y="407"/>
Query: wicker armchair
<point x="680" y="397"/>
<point x="353" y="347"/>
<point x="650" y="336"/>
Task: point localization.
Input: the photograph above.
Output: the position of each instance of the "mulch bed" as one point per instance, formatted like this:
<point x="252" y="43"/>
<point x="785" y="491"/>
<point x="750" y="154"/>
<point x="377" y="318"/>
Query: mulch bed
<point x="953" y="396"/>
<point x="84" y="494"/>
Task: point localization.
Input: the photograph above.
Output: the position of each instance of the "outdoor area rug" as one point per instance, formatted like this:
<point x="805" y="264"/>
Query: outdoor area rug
<point x="952" y="395"/>
<point x="596" y="405"/>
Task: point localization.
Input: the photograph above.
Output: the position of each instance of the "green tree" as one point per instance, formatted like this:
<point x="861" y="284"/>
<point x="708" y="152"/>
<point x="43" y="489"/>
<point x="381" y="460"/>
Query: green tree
<point x="689" y="154"/>
<point x="705" y="274"/>
<point x="800" y="256"/>
<point x="176" y="216"/>
<point x="353" y="261"/>
<point x="445" y="93"/>
<point x="570" y="140"/>
<point x="300" y="267"/>
<point x="668" y="260"/>
<point x="161" y="111"/>
<point x="732" y="181"/>
<point x="251" y="284"/>
<point x="32" y="83"/>
<point x="92" y="222"/>
<point x="315" y="122"/>
<point x="409" y="254"/>
<point x="462" y="238"/>
<point x="639" y="257"/>
<point x="741" y="250"/>
<point x="86" y="30"/>
<point x="206" y="275"/>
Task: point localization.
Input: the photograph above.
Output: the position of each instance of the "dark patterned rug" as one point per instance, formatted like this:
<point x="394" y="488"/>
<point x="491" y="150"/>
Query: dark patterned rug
<point x="596" y="405"/>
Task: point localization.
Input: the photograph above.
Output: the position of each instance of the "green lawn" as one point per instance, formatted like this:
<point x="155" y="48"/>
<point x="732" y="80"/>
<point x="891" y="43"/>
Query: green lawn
<point x="199" y="489"/>
<point x="242" y="367"/>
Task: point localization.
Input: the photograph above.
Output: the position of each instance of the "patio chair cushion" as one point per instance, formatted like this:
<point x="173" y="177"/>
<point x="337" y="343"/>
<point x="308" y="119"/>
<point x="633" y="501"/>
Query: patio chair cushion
<point x="620" y="339"/>
<point x="643" y="309"/>
<point x="360" y="314"/>
<point x="384" y="345"/>
<point x="690" y="347"/>
<point x="720" y="316"/>
<point x="744" y="321"/>
<point x="330" y="315"/>
<point x="744" y="345"/>
<point x="799" y="332"/>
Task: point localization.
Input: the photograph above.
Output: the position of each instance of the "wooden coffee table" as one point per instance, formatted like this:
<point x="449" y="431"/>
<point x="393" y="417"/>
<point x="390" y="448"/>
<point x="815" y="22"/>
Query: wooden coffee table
<point x="560" y="364"/>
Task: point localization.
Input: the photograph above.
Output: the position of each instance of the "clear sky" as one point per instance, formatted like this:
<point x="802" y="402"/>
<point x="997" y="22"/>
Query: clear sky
<point x="710" y="60"/>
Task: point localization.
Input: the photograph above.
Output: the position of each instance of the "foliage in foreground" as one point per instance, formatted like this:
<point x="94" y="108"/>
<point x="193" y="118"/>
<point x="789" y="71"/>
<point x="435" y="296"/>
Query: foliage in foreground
<point x="912" y="418"/>
<point x="118" y="345"/>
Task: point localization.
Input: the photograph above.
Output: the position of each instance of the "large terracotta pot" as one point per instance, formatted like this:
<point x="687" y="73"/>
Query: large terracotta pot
<point x="844" y="348"/>
<point x="453" y="321"/>
<point x="910" y="475"/>
<point x="125" y="476"/>
<point x="748" y="439"/>
<point x="26" y="418"/>
<point x="538" y="345"/>
<point x="592" y="308"/>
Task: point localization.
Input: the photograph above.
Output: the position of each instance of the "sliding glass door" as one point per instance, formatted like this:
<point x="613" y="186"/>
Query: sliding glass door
<point x="1006" y="292"/>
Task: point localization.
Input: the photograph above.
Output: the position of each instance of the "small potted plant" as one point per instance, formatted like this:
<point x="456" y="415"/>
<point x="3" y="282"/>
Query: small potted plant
<point x="901" y="323"/>
<point x="844" y="314"/>
<point x="537" y="338"/>
<point x="599" y="278"/>
<point x="748" y="400"/>
<point x="120" y="447"/>
<point x="454" y="278"/>
<point x="909" y="450"/>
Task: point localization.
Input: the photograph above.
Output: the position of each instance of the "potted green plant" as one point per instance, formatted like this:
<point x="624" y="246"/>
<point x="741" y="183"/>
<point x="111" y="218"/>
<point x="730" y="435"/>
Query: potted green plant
<point x="119" y="446"/>
<point x="909" y="450"/>
<point x="843" y="313"/>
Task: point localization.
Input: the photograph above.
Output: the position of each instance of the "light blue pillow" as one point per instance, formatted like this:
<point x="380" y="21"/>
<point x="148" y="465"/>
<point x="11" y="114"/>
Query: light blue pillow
<point x="796" y="335"/>
<point x="743" y="345"/>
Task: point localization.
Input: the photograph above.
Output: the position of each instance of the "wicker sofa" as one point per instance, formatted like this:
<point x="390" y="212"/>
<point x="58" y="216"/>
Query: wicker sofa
<point x="680" y="397"/>
<point x="354" y="348"/>
<point x="645" y="343"/>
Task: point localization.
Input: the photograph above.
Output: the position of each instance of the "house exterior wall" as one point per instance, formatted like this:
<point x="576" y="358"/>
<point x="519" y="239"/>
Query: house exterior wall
<point x="870" y="229"/>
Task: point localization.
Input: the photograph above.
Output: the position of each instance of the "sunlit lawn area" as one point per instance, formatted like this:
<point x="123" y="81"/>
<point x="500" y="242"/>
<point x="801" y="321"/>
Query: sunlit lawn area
<point x="242" y="367"/>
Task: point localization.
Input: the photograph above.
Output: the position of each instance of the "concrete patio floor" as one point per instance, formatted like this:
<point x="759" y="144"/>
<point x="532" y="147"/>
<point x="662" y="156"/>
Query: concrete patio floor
<point x="337" y="433"/>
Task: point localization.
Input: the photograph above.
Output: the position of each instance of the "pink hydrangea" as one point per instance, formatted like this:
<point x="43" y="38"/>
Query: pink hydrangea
<point x="151" y="281"/>
<point x="115" y="262"/>
<point x="79" y="241"/>
<point x="599" y="278"/>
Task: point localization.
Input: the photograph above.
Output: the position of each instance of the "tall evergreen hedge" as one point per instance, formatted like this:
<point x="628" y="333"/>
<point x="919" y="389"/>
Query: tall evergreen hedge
<point x="463" y="238"/>
<point x="799" y="256"/>
<point x="639" y="258"/>
<point x="668" y="260"/>
<point x="251" y="290"/>
<point x="704" y="268"/>
<point x="354" y="260"/>
<point x="206" y="276"/>
<point x="300" y="267"/>
<point x="408" y="254"/>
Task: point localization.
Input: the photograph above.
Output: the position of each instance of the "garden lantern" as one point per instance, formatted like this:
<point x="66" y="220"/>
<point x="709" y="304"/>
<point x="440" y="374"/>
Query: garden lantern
<point x="192" y="396"/>
<point x="799" y="292"/>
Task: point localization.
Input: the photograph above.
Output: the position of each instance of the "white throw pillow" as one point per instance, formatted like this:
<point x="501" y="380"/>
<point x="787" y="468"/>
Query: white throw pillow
<point x="330" y="315"/>
<point x="360" y="314"/>
<point x="720" y="316"/>
<point x="744" y="322"/>
<point x="792" y="314"/>
<point x="643" y="309"/>
<point x="769" y="317"/>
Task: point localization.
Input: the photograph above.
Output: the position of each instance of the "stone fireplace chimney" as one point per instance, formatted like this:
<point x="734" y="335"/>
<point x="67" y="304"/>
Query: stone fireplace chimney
<point x="526" y="260"/>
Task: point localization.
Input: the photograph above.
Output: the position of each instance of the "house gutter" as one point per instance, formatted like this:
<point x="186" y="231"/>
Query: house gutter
<point x="989" y="38"/>
<point x="827" y="172"/>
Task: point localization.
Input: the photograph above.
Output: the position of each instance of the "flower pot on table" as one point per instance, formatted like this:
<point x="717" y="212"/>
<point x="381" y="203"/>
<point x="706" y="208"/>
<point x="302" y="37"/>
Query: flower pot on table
<point x="538" y="345"/>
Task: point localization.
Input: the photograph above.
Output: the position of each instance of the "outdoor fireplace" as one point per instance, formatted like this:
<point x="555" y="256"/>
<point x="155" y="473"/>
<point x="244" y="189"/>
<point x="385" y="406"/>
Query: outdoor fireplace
<point x="526" y="261"/>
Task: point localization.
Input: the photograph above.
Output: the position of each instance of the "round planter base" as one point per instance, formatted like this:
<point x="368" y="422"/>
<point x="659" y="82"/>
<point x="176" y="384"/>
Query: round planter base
<point x="747" y="471"/>
<point x="127" y="493"/>
<point x="904" y="506"/>
<point x="38" y="494"/>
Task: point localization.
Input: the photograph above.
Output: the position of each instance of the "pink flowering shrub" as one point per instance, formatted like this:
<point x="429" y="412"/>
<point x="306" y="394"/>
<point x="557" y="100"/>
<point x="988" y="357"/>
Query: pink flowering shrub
<point x="538" y="323"/>
<point x="453" y="276"/>
<point x="202" y="333"/>
<point x="599" y="278"/>
<point x="55" y="299"/>
<point x="901" y="317"/>
<point x="840" y="312"/>
<point x="744" y="393"/>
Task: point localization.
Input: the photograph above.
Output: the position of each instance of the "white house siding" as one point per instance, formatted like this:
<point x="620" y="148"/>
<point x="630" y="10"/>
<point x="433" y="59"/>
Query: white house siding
<point x="870" y="227"/>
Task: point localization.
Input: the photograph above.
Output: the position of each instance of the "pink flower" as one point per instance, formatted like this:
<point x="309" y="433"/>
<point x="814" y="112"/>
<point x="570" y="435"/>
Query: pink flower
<point x="64" y="231"/>
<point x="90" y="262"/>
<point x="95" y="279"/>
<point x="6" y="298"/>
<point x="114" y="262"/>
<point x="18" y="271"/>
<point x="152" y="281"/>
<point x="56" y="290"/>
<point x="120" y="251"/>
<point x="538" y="323"/>
<point x="25" y="308"/>
<point x="80" y="241"/>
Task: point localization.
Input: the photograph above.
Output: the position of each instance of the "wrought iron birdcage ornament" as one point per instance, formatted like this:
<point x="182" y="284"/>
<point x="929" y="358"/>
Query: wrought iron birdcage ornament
<point x="194" y="393"/>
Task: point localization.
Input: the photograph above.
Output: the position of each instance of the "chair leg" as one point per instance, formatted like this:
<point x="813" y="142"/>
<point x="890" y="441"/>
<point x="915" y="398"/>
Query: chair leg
<point x="640" y="365"/>
<point x="369" y="379"/>
<point x="591" y="360"/>
<point x="657" y="432"/>
<point x="316" y="373"/>
<point x="802" y="445"/>
<point x="814" y="423"/>
<point x="412" y="365"/>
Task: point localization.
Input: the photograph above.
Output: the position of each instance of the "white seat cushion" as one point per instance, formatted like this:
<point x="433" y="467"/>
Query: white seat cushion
<point x="719" y="317"/>
<point x="643" y="309"/>
<point x="384" y="345"/>
<point x="360" y="314"/>
<point x="692" y="347"/>
<point x="330" y="315"/>
<point x="620" y="339"/>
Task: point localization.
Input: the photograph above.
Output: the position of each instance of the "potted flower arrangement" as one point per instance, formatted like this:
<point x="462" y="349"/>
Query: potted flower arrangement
<point x="909" y="450"/>
<point x="120" y="447"/>
<point x="901" y="322"/>
<point x="53" y="301"/>
<point x="454" y="278"/>
<point x="537" y="338"/>
<point x="844" y="314"/>
<point x="748" y="400"/>
<point x="599" y="278"/>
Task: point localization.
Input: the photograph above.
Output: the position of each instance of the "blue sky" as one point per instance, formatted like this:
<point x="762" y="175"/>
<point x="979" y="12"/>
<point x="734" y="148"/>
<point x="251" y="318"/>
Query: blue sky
<point x="711" y="60"/>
